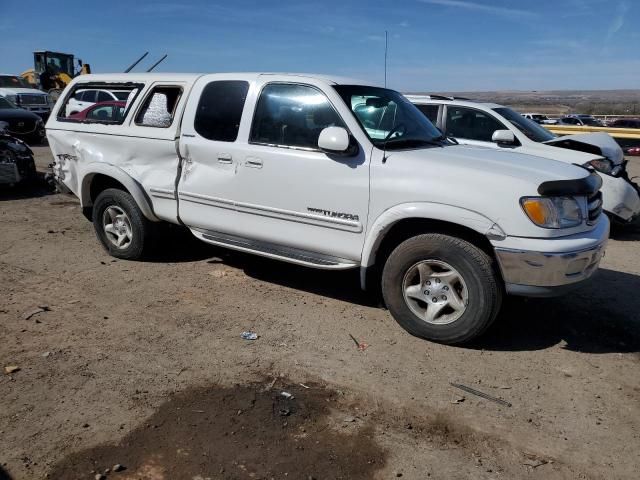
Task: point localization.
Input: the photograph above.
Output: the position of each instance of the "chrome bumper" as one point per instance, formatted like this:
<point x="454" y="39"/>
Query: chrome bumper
<point x="540" y="274"/>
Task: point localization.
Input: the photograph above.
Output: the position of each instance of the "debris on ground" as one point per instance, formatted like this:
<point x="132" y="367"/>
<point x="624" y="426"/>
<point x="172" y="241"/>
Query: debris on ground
<point x="361" y="345"/>
<point x="249" y="336"/>
<point x="458" y="399"/>
<point x="41" y="308"/>
<point x="46" y="354"/>
<point x="9" y="369"/>
<point x="535" y="462"/>
<point x="118" y="468"/>
<point x="304" y="386"/>
<point x="481" y="394"/>
<point x="287" y="395"/>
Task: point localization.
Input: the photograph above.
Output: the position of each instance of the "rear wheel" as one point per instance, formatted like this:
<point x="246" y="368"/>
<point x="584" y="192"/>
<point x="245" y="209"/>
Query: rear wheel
<point x="441" y="288"/>
<point x="120" y="225"/>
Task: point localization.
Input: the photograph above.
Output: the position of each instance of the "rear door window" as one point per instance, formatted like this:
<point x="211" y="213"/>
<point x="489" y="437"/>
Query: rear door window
<point x="471" y="124"/>
<point x="220" y="110"/>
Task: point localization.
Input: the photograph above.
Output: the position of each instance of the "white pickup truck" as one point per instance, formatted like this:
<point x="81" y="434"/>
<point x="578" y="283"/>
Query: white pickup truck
<point x="296" y="167"/>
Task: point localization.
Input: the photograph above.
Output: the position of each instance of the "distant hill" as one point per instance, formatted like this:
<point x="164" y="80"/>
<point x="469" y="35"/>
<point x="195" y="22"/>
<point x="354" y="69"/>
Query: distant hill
<point x="558" y="102"/>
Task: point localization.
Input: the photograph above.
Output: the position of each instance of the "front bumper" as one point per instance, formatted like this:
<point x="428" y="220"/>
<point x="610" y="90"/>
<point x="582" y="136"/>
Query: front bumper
<point x="552" y="266"/>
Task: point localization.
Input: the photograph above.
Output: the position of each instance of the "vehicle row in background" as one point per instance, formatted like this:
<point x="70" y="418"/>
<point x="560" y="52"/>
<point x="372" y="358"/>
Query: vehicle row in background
<point x="85" y="98"/>
<point x="101" y="112"/>
<point x="496" y="126"/>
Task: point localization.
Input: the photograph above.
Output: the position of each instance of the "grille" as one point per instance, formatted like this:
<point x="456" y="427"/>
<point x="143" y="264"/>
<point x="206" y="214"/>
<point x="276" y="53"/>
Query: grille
<point x="21" y="126"/>
<point x="594" y="206"/>
<point x="8" y="173"/>
<point x="32" y="99"/>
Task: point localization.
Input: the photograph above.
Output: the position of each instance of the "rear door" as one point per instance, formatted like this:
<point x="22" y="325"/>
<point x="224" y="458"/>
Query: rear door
<point x="212" y="154"/>
<point x="154" y="128"/>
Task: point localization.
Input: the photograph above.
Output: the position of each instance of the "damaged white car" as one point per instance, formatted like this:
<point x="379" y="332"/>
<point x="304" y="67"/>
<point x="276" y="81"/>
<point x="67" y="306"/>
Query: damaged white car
<point x="497" y="126"/>
<point x="300" y="169"/>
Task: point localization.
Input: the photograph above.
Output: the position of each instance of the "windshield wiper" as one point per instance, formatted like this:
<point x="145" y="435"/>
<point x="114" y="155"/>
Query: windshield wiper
<point x="413" y="142"/>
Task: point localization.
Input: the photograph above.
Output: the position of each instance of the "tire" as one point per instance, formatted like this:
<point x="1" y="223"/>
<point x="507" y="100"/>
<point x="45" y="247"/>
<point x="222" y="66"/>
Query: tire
<point x="441" y="288"/>
<point x="118" y="208"/>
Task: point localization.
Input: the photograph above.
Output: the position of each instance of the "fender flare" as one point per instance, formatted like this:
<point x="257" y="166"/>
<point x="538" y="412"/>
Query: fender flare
<point x="426" y="211"/>
<point x="132" y="186"/>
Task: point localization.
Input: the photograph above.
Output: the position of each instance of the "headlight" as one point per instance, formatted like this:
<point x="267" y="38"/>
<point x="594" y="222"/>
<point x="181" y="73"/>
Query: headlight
<point x="553" y="212"/>
<point x="603" y="165"/>
<point x="12" y="98"/>
<point x="50" y="100"/>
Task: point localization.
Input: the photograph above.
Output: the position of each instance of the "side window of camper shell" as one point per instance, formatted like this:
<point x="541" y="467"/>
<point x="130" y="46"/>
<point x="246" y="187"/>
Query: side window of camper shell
<point x="76" y="108"/>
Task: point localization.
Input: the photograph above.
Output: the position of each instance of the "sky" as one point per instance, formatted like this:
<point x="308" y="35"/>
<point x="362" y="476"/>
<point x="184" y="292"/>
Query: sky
<point x="433" y="45"/>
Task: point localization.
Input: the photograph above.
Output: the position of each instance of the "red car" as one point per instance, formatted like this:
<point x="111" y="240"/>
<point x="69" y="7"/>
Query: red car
<point x="102" y="112"/>
<point x="632" y="151"/>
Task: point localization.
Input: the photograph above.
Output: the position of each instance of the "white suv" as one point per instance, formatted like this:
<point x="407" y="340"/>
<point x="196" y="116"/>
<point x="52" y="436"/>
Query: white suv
<point x="83" y="99"/>
<point x="499" y="127"/>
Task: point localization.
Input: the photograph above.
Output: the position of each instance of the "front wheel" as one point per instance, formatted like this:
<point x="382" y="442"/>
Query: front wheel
<point x="120" y="225"/>
<point x="441" y="288"/>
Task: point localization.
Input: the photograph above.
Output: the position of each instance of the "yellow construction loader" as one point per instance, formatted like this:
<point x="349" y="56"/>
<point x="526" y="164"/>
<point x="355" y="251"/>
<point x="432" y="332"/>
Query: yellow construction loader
<point x="53" y="71"/>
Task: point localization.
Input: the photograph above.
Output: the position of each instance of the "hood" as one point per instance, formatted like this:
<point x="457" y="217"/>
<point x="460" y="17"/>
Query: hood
<point x="473" y="160"/>
<point x="597" y="143"/>
<point x="17" y="91"/>
<point x="17" y="114"/>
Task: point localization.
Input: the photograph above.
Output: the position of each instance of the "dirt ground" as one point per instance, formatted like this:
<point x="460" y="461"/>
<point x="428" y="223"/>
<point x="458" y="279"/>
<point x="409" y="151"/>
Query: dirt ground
<point x="141" y="365"/>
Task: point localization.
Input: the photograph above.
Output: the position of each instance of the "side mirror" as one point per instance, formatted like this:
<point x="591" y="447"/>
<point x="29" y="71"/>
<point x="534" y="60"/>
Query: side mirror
<point x="335" y="140"/>
<point x="503" y="137"/>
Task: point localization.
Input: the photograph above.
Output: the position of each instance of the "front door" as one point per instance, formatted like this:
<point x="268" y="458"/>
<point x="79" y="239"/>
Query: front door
<point x="291" y="193"/>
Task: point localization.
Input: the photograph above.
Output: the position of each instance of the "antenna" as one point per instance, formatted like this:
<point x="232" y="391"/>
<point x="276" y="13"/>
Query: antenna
<point x="136" y="63"/>
<point x="386" y="47"/>
<point x="157" y="63"/>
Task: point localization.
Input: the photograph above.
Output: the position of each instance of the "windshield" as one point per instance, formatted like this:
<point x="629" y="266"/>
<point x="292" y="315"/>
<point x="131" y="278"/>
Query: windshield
<point x="11" y="81"/>
<point x="531" y="129"/>
<point x="4" y="103"/>
<point x="386" y="115"/>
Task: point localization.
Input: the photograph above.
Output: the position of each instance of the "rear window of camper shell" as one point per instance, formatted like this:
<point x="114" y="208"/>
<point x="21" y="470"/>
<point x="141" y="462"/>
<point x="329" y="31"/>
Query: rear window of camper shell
<point x="72" y="108"/>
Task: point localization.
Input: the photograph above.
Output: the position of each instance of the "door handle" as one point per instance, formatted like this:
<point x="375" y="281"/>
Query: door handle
<point x="225" y="158"/>
<point x="253" y="162"/>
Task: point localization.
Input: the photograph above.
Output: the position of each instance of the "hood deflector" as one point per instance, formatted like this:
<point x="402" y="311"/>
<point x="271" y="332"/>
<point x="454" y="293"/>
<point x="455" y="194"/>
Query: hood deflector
<point x="581" y="186"/>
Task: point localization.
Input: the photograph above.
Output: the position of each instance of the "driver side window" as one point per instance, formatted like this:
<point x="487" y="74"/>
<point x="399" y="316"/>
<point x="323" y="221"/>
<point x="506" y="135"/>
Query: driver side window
<point x="471" y="124"/>
<point x="292" y="115"/>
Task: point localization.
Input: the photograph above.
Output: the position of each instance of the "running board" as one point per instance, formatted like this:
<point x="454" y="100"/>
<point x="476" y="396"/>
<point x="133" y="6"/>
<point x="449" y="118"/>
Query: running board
<point x="271" y="250"/>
